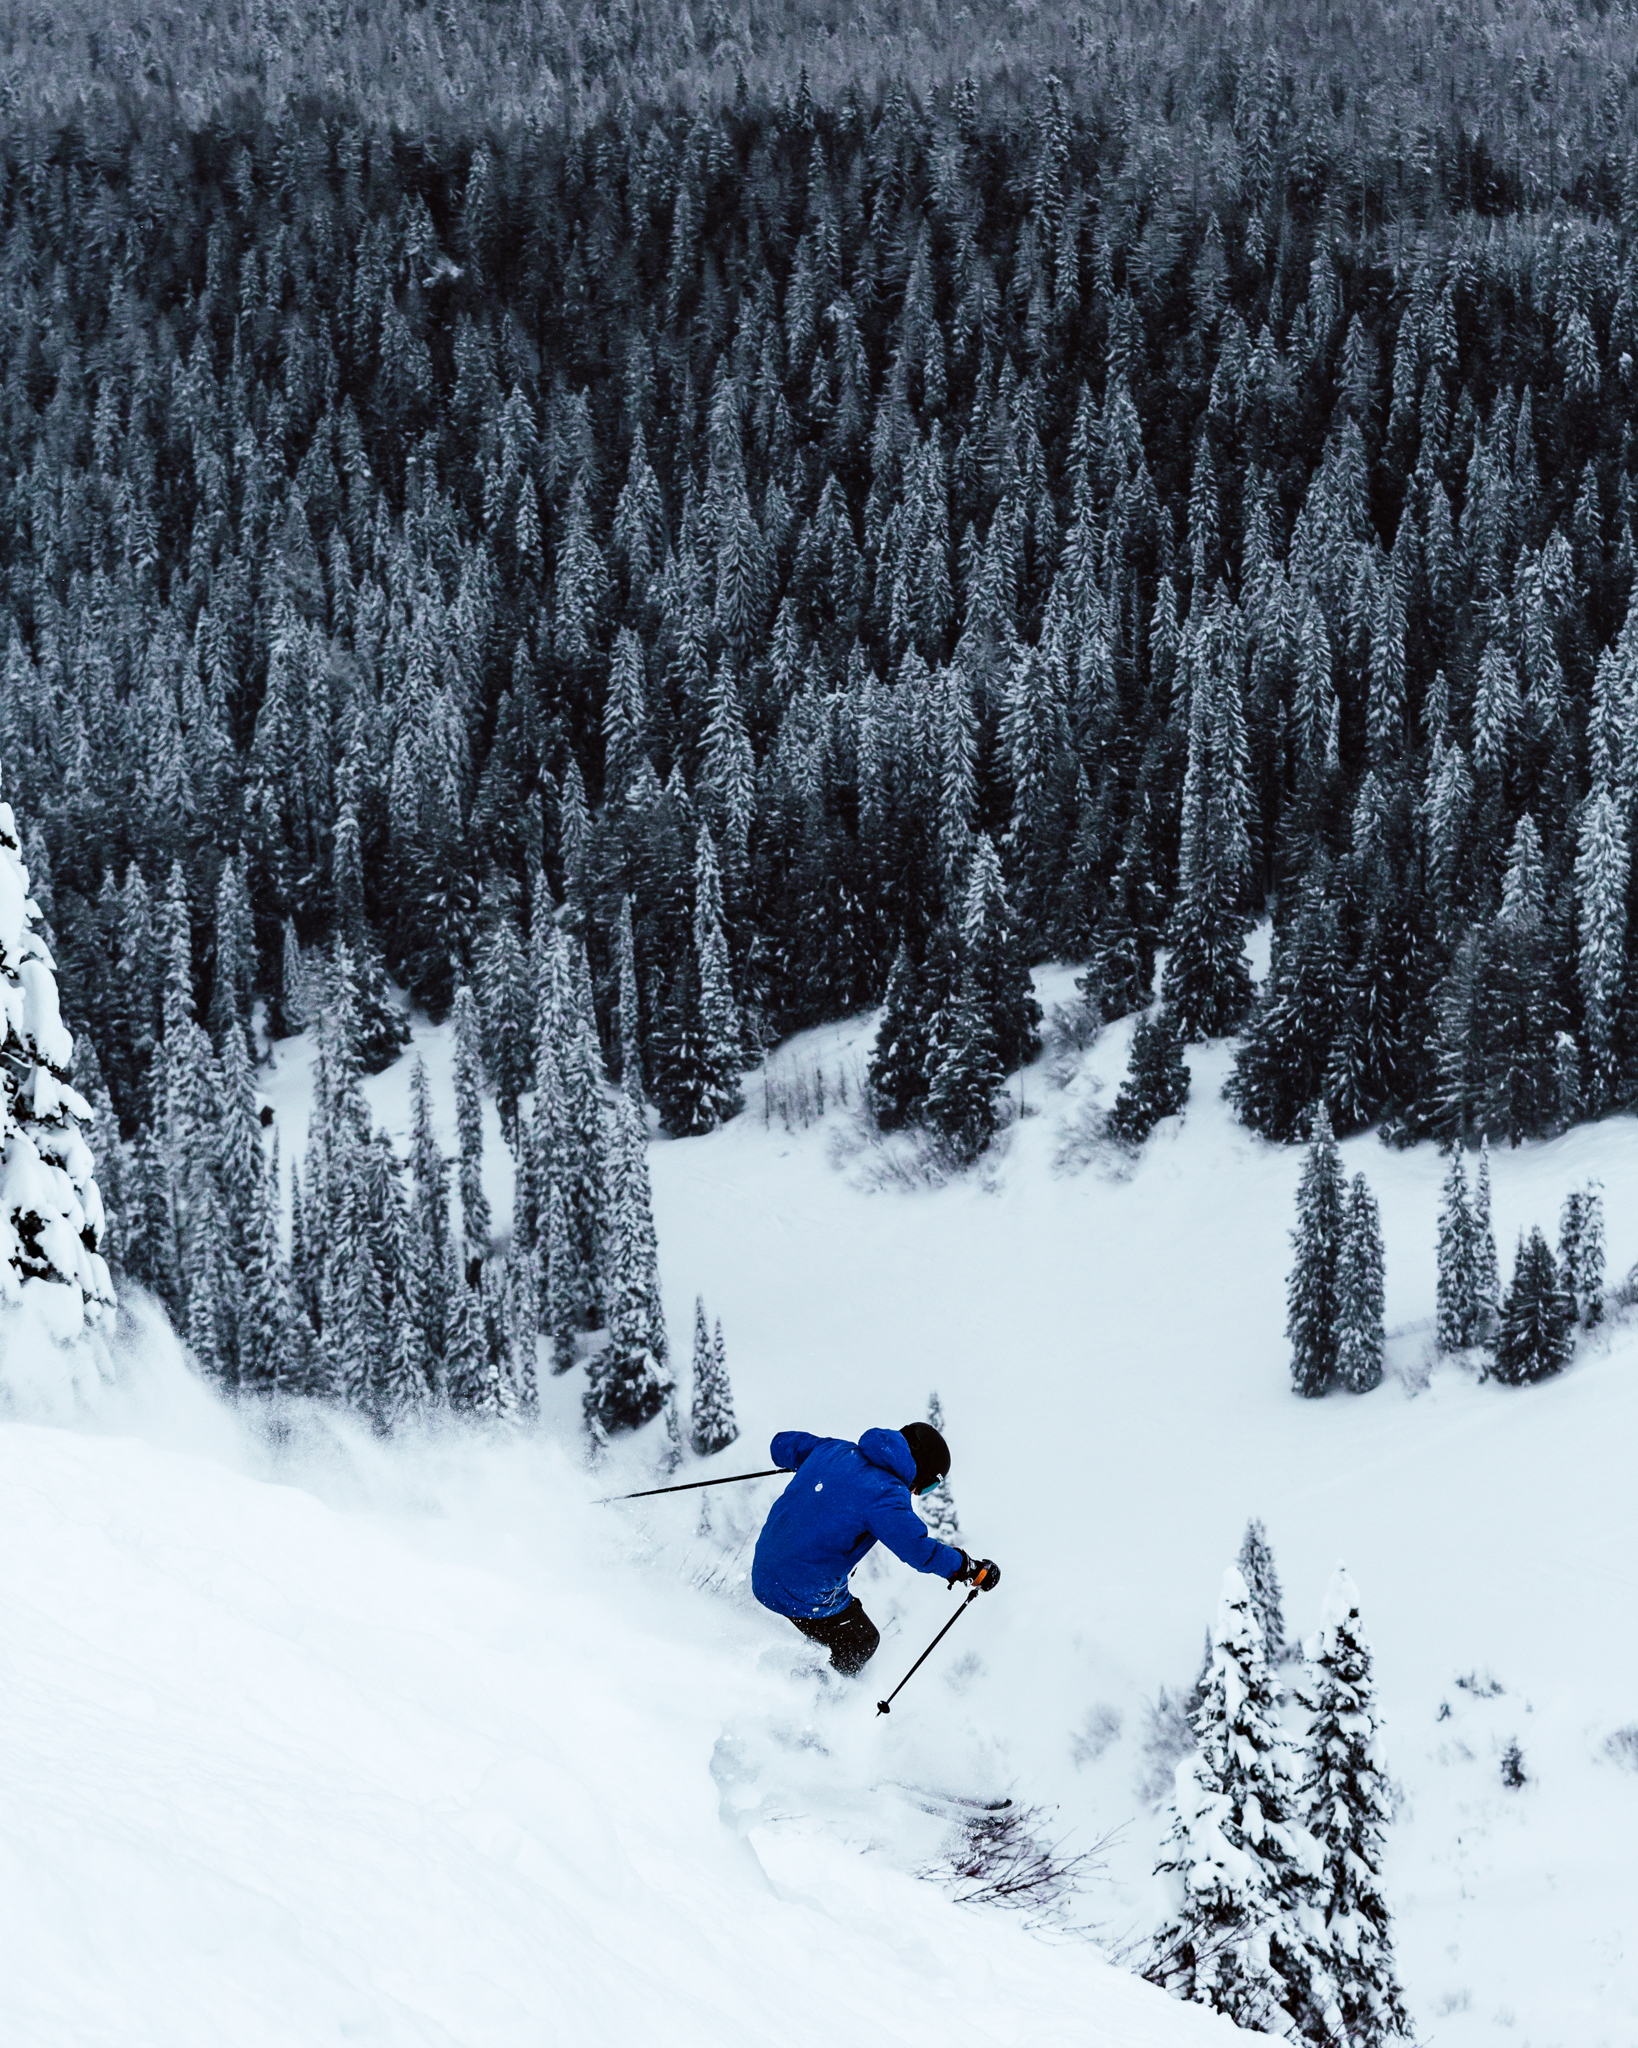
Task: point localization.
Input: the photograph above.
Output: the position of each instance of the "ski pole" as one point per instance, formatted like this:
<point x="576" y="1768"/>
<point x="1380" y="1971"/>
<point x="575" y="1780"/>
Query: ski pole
<point x="886" y="1706"/>
<point x="690" y="1485"/>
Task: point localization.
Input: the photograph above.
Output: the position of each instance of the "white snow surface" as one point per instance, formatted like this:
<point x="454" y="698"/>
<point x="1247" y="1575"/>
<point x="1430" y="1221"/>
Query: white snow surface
<point x="333" y="1741"/>
<point x="1115" y="1380"/>
<point x="409" y="1743"/>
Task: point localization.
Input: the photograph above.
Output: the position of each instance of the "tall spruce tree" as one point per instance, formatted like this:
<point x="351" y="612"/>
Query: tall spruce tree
<point x="1208" y="980"/>
<point x="1537" y="1319"/>
<point x="1458" y="1312"/>
<point x="1238" y="1941"/>
<point x="1347" y="1803"/>
<point x="475" y="1222"/>
<point x="51" y="1216"/>
<point x="1581" y="1254"/>
<point x="1359" y="1332"/>
<point x="993" y="959"/>
<point x="1486" y="1270"/>
<point x="964" y="1075"/>
<point x="631" y="1020"/>
<point x="628" y="1380"/>
<point x="1311" y="1290"/>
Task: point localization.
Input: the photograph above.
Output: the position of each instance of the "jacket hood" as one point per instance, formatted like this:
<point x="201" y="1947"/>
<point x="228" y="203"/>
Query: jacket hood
<point x="885" y="1447"/>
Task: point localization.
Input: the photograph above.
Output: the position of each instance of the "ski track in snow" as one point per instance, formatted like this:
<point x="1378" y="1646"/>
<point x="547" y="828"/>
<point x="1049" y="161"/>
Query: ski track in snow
<point x="408" y="1744"/>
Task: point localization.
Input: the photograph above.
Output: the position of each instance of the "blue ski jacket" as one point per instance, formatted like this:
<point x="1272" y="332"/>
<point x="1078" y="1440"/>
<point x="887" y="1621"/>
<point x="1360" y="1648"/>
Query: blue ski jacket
<point x="844" y="1498"/>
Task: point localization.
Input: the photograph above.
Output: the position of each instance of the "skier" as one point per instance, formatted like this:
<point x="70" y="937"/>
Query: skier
<point x="845" y="1498"/>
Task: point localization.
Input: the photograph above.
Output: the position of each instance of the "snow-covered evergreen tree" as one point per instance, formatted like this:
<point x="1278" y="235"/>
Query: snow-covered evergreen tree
<point x="631" y="1021"/>
<point x="1581" y="1254"/>
<point x="719" y="1023"/>
<point x="563" y="1314"/>
<point x="475" y="1223"/>
<point x="1458" y="1286"/>
<point x="938" y="1509"/>
<point x="1257" y="1568"/>
<point x="1347" y="1805"/>
<point x="1311" y="1290"/>
<point x="427" y="1256"/>
<point x="897" y="1078"/>
<point x="994" y="962"/>
<point x="1208" y="981"/>
<point x="1486" y="1268"/>
<point x="964" y="1073"/>
<point x="466" y="1351"/>
<point x="1602" y="864"/>
<point x="1360" y="1292"/>
<point x="1537" y="1318"/>
<point x="1240" y="1939"/>
<point x="51" y="1216"/>
<point x="712" y="1427"/>
<point x="506" y="1002"/>
<point x="1157" y="1078"/>
<point x="627" y="1381"/>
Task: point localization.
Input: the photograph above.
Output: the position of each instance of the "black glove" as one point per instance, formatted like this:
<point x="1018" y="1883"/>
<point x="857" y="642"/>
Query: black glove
<point x="977" y="1571"/>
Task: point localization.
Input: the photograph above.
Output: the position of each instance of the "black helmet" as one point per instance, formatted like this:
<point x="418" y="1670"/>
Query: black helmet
<point x="930" y="1451"/>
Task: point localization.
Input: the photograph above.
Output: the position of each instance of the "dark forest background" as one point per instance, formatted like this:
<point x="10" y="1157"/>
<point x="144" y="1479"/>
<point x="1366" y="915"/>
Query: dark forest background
<point x="793" y="502"/>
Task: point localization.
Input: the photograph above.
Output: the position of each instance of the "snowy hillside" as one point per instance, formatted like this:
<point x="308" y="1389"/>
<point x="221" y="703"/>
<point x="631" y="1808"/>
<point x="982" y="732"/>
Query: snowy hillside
<point x="1111" y="1359"/>
<point x="413" y="1746"/>
<point x="1114" y="1377"/>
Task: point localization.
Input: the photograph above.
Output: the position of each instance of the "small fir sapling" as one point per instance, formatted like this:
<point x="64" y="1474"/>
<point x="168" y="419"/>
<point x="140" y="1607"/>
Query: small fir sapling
<point x="1537" y="1318"/>
<point x="712" y="1427"/>
<point x="938" y="1509"/>
<point x="1157" y="1078"/>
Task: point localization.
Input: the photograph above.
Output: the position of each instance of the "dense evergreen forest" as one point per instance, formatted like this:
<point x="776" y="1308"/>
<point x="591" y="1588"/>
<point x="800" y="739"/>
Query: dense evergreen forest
<point x="656" y="534"/>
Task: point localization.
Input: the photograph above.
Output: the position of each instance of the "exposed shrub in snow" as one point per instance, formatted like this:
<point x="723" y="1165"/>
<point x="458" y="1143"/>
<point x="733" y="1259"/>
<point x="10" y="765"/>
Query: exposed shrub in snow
<point x="1512" y="1767"/>
<point x="1622" y="1747"/>
<point x="1005" y="1858"/>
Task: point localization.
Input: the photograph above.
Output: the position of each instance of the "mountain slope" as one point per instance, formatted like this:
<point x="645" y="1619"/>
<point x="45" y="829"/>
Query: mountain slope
<point x="1114" y="1374"/>
<point x="442" y="1758"/>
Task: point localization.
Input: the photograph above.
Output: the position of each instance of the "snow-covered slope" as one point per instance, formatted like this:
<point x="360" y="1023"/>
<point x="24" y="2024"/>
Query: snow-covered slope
<point x="1114" y="1376"/>
<point x="412" y="1745"/>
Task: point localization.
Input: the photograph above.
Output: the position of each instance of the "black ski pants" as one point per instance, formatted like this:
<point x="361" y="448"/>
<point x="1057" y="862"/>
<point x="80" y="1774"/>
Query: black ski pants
<point x="851" y="1636"/>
